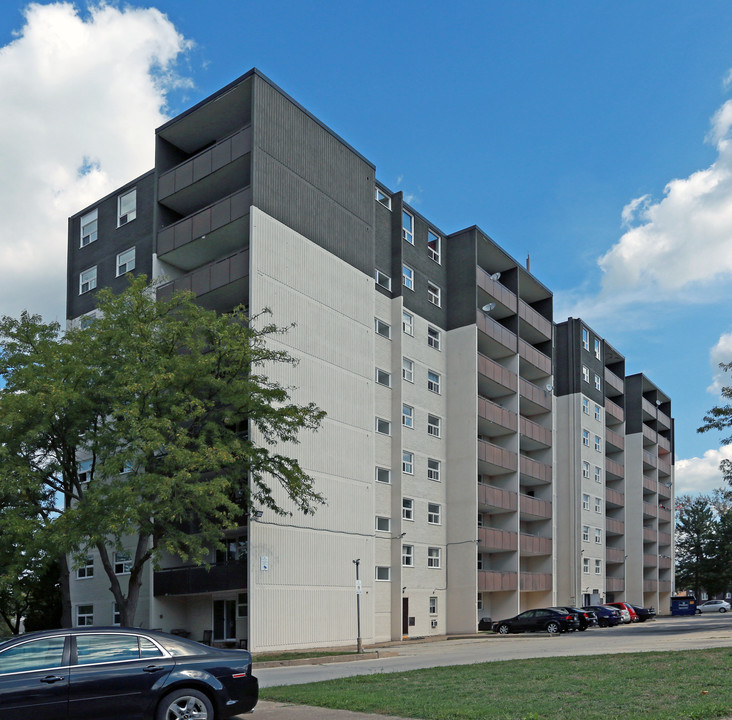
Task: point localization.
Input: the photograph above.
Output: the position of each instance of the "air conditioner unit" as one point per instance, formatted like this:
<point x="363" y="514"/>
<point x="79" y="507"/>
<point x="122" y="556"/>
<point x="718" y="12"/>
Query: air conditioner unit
<point x="434" y="623"/>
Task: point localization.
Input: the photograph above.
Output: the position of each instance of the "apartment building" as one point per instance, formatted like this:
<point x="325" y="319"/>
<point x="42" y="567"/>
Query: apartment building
<point x="430" y="351"/>
<point x="614" y="443"/>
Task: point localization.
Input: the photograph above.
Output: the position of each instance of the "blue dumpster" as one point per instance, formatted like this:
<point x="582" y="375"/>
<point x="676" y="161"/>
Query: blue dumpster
<point x="683" y="605"/>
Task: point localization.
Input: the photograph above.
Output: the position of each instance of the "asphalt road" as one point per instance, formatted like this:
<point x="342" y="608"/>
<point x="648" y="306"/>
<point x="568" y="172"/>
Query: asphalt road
<point x="667" y="633"/>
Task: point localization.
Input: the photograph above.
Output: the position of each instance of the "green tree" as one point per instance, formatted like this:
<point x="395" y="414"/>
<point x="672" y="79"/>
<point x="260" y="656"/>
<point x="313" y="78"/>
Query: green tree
<point x="170" y="407"/>
<point x="720" y="418"/>
<point x="696" y="535"/>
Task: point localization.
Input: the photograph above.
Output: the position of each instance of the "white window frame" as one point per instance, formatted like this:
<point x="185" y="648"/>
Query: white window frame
<point x="126" y="266"/>
<point x="407" y="555"/>
<point x="598" y="474"/>
<point x="90" y="283"/>
<point x="434" y="514"/>
<point x="82" y="612"/>
<point x="382" y="279"/>
<point x="598" y="443"/>
<point x="434" y="240"/>
<point x="407" y="462"/>
<point x="407" y="323"/>
<point x="598" y="536"/>
<point x="586" y="566"/>
<point x="434" y="426"/>
<point x="586" y="374"/>
<point x="408" y="277"/>
<point x="598" y="382"/>
<point x="116" y="615"/>
<point x="434" y="294"/>
<point x="434" y="470"/>
<point x="598" y="566"/>
<point x="382" y="198"/>
<point x="382" y="377"/>
<point x="407" y="416"/>
<point x="408" y="232"/>
<point x="585" y="501"/>
<point x="384" y="521"/>
<point x="407" y="369"/>
<point x="585" y="469"/>
<point x="90" y="218"/>
<point x="382" y="328"/>
<point x="122" y="563"/>
<point x="434" y="381"/>
<point x="480" y="519"/>
<point x="382" y="573"/>
<point x="598" y="414"/>
<point x="408" y="509"/>
<point x="585" y="406"/>
<point x="381" y="472"/>
<point x="598" y="504"/>
<point x="86" y="571"/>
<point x="434" y="338"/>
<point x="130" y="215"/>
<point x="382" y="426"/>
<point x="433" y="605"/>
<point x="597" y="348"/>
<point x="586" y="533"/>
<point x="586" y="339"/>
<point x="586" y="438"/>
<point x="434" y="558"/>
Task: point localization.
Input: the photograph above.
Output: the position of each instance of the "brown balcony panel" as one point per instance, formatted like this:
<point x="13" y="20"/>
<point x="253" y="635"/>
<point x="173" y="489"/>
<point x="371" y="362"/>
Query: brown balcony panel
<point x="534" y="507"/>
<point x="613" y="497"/>
<point x="496" y="331"/>
<point x="535" y="432"/>
<point x="650" y="510"/>
<point x="664" y="586"/>
<point x="614" y="381"/>
<point x="650" y="459"/>
<point x="497" y="456"/>
<point x="535" y="357"/>
<point x="491" y="370"/>
<point x="664" y="563"/>
<point x="664" y="444"/>
<point x="650" y="534"/>
<point x="536" y="470"/>
<point x="192" y="579"/>
<point x="496" y="290"/>
<point x="664" y="513"/>
<point x="664" y="539"/>
<point x="664" y="468"/>
<point x="614" y="439"/>
<point x="614" y="555"/>
<point x="494" y="413"/>
<point x="664" y="491"/>
<point x="533" y="318"/>
<point x="614" y="468"/>
<point x="615" y="584"/>
<point x="535" y="545"/>
<point x="499" y="498"/>
<point x="648" y="408"/>
<point x="535" y="582"/>
<point x="650" y="560"/>
<point x="497" y="540"/>
<point x="493" y="581"/>
<point x="650" y="585"/>
<point x="614" y="411"/>
<point x="535" y="395"/>
<point x="650" y="434"/>
<point x="650" y="484"/>
<point x="664" y="420"/>
<point x="614" y="527"/>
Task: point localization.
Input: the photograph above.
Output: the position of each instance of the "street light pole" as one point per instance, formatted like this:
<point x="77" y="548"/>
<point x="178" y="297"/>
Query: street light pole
<point x="359" y="647"/>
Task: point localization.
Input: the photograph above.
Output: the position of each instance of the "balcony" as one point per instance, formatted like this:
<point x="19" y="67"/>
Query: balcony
<point x="650" y="585"/>
<point x="649" y="534"/>
<point x="650" y="510"/>
<point x="613" y="412"/>
<point x="613" y="381"/>
<point x="664" y="563"/>
<point x="614" y="555"/>
<point x="614" y="498"/>
<point x="220" y="229"/>
<point x="664" y="539"/>
<point x="192" y="579"/>
<point x="533" y="470"/>
<point x="216" y="172"/>
<point x="498" y="292"/>
<point x="535" y="582"/>
<point x="650" y="560"/>
<point x="614" y="584"/>
<point x="614" y="470"/>
<point x="494" y="380"/>
<point x="497" y="498"/>
<point x="649" y="409"/>
<point x="535" y="545"/>
<point x="494" y="540"/>
<point x="534" y="509"/>
<point x="664" y="513"/>
<point x="220" y="285"/>
<point x="539" y="328"/>
<point x="501" y="341"/>
<point x="664" y="445"/>
<point x="663" y="420"/>
<point x="614" y="527"/>
<point x="534" y="400"/>
<point x="493" y="581"/>
<point x="534" y="436"/>
<point x="664" y="490"/>
<point x="614" y="442"/>
<point x="650" y="460"/>
<point x="535" y="358"/>
<point x="664" y="467"/>
<point x="498" y="459"/>
<point x="664" y="586"/>
<point x="649" y="436"/>
<point x="497" y="420"/>
<point x="650" y="484"/>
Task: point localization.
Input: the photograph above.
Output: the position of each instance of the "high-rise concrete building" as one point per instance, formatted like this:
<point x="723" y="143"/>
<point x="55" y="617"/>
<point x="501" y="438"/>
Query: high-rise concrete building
<point x="431" y="353"/>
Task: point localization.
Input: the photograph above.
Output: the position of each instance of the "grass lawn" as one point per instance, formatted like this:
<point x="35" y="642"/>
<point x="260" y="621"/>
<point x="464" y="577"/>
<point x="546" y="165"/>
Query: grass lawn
<point x="693" y="685"/>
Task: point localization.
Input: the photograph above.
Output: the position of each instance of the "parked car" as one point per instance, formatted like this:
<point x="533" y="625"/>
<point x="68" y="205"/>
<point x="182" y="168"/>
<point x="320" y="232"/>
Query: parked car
<point x="644" y="613"/>
<point x="112" y="673"/>
<point x="632" y="614"/>
<point x="587" y="618"/>
<point x="550" y="620"/>
<point x="606" y="616"/>
<point x="485" y="623"/>
<point x="713" y="606"/>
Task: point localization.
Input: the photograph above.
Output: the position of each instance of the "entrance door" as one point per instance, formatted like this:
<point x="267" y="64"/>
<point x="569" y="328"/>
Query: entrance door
<point x="405" y="616"/>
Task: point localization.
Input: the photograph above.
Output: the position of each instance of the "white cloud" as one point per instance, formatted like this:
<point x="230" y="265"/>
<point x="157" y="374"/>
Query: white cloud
<point x="721" y="353"/>
<point x="81" y="95"/>
<point x="701" y="475"/>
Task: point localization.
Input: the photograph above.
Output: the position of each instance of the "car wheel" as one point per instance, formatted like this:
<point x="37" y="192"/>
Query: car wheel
<point x="603" y="623"/>
<point x="503" y="629"/>
<point x="553" y="628"/>
<point x="581" y="629"/>
<point x="185" y="703"/>
<point x="698" y="611"/>
<point x="723" y="609"/>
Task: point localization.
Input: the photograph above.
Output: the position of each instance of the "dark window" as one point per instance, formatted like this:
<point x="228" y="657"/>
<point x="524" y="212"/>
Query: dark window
<point x="92" y="649"/>
<point x="34" y="655"/>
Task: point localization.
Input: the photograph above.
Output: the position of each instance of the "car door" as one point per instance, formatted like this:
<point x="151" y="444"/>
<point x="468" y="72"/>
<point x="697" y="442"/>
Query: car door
<point x="113" y="675"/>
<point x="34" y="680"/>
<point x="525" y="621"/>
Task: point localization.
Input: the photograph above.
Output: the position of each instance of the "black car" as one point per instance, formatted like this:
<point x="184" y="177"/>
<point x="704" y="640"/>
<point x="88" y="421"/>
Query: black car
<point x="606" y="616"/>
<point x="643" y="613"/>
<point x="587" y="618"/>
<point x="550" y="620"/>
<point x="100" y="673"/>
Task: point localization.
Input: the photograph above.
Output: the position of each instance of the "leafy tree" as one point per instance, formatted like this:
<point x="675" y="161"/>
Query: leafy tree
<point x="696" y="535"/>
<point x="158" y="399"/>
<point x="720" y="418"/>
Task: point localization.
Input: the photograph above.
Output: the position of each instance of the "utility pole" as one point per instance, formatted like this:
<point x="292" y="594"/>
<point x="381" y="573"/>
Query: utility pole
<point x="359" y="647"/>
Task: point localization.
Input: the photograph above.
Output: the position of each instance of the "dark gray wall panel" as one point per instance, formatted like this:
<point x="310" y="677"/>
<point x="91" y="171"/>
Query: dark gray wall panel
<point x="461" y="260"/>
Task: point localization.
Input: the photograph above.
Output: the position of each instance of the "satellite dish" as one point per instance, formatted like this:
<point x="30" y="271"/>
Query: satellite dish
<point x="549" y="387"/>
<point x="495" y="276"/>
<point x="487" y="308"/>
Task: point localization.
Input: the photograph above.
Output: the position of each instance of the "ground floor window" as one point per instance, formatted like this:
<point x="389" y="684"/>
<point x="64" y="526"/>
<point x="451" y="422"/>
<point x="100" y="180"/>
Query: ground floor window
<point x="224" y="612"/>
<point x="242" y="605"/>
<point x="84" y="615"/>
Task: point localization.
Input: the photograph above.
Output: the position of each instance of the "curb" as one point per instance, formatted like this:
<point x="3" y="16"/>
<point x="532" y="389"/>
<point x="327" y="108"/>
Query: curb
<point x="327" y="659"/>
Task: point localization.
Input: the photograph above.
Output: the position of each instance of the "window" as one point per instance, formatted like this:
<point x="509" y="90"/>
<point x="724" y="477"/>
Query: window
<point x="86" y="570"/>
<point x="433" y="293"/>
<point x="122" y="563"/>
<point x="383" y="524"/>
<point x="480" y="561"/>
<point x="598" y="536"/>
<point x="126" y="262"/>
<point x="586" y="533"/>
<point x="597" y="348"/>
<point x="585" y="406"/>
<point x="586" y="438"/>
<point x="383" y="475"/>
<point x="433" y="246"/>
<point x="433" y="605"/>
<point x="88" y="228"/>
<point x="598" y="383"/>
<point x="382" y="279"/>
<point x="242" y="605"/>
<point x="598" y="505"/>
<point x="34" y="655"/>
<point x="585" y="469"/>
<point x="86" y="321"/>
<point x="407" y="462"/>
<point x="383" y="573"/>
<point x="116" y="614"/>
<point x="434" y="512"/>
<point x="407" y="416"/>
<point x="585" y="339"/>
<point x="434" y="557"/>
<point x="433" y="338"/>
<point x="433" y="469"/>
<point x="598" y="443"/>
<point x="84" y="615"/>
<point x="382" y="328"/>
<point x="433" y="425"/>
<point x="87" y="280"/>
<point x="407" y="509"/>
<point x="408" y="555"/>
<point x="480" y="520"/>
<point x="585" y="501"/>
<point x="586" y="373"/>
<point x="84" y="474"/>
<point x="127" y="207"/>
<point x="598" y="474"/>
<point x="598" y="567"/>
<point x="407" y="227"/>
<point x="586" y="566"/>
<point x="383" y="426"/>
<point x="407" y="277"/>
<point x="480" y="601"/>
<point x="408" y="323"/>
<point x="433" y="381"/>
<point x="597" y="412"/>
<point x="383" y="377"/>
<point x="383" y="198"/>
<point x="408" y="369"/>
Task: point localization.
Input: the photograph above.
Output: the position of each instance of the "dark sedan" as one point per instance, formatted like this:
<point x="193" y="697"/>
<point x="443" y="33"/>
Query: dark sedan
<point x="644" y="613"/>
<point x="97" y="673"/>
<point x="606" y="616"/>
<point x="587" y="618"/>
<point x="549" y="620"/>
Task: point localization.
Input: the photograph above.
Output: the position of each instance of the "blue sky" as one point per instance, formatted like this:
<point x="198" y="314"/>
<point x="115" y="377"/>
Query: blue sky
<point x="594" y="137"/>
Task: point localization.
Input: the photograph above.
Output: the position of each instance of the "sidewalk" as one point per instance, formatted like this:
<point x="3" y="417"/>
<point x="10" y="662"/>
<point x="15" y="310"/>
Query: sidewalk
<point x="267" y="710"/>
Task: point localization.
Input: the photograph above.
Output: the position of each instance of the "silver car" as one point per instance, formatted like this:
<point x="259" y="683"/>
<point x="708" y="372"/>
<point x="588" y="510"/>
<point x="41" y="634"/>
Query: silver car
<point x="713" y="606"/>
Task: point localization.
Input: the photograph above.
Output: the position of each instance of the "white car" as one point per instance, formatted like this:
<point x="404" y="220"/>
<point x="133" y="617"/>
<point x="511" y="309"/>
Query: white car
<point x="713" y="606"/>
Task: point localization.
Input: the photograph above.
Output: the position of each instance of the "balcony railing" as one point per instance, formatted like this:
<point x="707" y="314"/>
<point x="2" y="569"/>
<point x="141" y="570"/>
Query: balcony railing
<point x="536" y="470"/>
<point x="664" y="490"/>
<point x="650" y="434"/>
<point x="614" y="555"/>
<point x="533" y="318"/>
<point x="493" y="412"/>
<point x="664" y="513"/>
<point x="664" y="586"/>
<point x="614" y="468"/>
<point x="614" y="527"/>
<point x="494" y="581"/>
<point x="497" y="497"/>
<point x="535" y="394"/>
<point x="535" y="357"/>
<point x="664" y="467"/>
<point x="650" y="510"/>
<point x="536" y="432"/>
<point x="650" y="585"/>
<point x="535" y="545"/>
<point x="613" y="410"/>
<point x="615" y="439"/>
<point x="664" y="420"/>
<point x="649" y="408"/>
<point x="664" y="444"/>
<point x="614" y="497"/>
<point x="496" y="290"/>
<point x="615" y="584"/>
<point x="499" y="374"/>
<point x="664" y="539"/>
<point x="534" y="506"/>
<point x="664" y="562"/>
<point x="650" y="484"/>
<point x="650" y="534"/>
<point x="191" y="579"/>
<point x="497" y="540"/>
<point x="534" y="581"/>
<point x="650" y="459"/>
<point x="650" y="560"/>
<point x="496" y="331"/>
<point x="495" y="455"/>
<point x="614" y="381"/>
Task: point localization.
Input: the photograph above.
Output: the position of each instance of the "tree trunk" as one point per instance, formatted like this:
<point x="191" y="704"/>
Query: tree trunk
<point x="66" y="619"/>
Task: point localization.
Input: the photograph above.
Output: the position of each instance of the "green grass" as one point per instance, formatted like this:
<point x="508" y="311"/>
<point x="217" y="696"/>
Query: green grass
<point x="690" y="685"/>
<point x="295" y="655"/>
